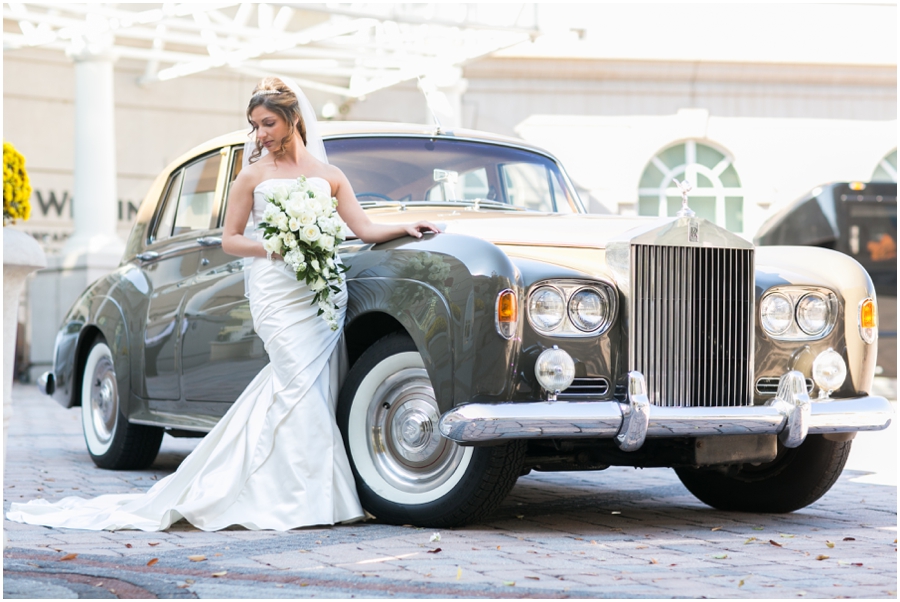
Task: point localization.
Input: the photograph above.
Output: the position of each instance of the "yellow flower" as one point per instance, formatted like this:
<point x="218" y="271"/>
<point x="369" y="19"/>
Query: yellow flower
<point x="16" y="186"/>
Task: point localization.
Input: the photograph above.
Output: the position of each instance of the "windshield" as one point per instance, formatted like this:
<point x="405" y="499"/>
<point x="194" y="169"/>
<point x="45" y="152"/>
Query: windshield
<point x="412" y="170"/>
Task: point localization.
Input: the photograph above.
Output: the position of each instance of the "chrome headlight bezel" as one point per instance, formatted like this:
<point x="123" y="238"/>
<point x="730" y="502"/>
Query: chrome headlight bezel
<point x="542" y="325"/>
<point x="805" y="322"/>
<point x="799" y="328"/>
<point x="571" y="326"/>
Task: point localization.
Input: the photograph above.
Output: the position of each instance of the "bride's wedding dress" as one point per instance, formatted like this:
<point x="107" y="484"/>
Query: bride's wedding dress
<point x="276" y="460"/>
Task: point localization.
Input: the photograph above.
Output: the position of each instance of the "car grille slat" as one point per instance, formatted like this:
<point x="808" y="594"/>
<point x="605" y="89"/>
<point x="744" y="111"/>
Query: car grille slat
<point x="692" y="315"/>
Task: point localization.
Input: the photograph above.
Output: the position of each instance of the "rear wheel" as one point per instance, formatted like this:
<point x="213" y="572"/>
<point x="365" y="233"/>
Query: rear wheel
<point x="111" y="441"/>
<point x="406" y="472"/>
<point x="795" y="479"/>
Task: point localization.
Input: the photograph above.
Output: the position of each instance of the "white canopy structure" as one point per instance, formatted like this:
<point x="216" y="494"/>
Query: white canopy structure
<point x="350" y="50"/>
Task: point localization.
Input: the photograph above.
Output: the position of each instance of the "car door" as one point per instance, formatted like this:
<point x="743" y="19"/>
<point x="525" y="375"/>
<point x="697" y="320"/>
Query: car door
<point x="221" y="352"/>
<point x="170" y="262"/>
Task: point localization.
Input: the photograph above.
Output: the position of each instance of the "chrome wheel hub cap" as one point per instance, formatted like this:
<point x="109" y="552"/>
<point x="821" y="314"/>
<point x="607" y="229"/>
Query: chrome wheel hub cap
<point x="104" y="400"/>
<point x="406" y="446"/>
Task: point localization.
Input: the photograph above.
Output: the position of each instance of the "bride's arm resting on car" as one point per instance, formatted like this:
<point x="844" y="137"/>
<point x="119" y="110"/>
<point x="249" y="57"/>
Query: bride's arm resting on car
<point x="358" y="222"/>
<point x="240" y="204"/>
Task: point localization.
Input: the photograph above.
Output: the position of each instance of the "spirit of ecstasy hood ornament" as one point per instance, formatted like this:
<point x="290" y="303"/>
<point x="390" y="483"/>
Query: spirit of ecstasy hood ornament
<point x="685" y="187"/>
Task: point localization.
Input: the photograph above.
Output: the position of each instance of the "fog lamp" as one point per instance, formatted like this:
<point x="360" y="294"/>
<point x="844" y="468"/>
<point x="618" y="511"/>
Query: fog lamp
<point x="829" y="371"/>
<point x="868" y="320"/>
<point x="554" y="370"/>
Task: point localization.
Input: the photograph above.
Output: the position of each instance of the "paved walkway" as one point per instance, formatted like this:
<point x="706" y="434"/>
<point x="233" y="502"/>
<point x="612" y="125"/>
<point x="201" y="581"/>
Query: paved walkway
<point x="612" y="534"/>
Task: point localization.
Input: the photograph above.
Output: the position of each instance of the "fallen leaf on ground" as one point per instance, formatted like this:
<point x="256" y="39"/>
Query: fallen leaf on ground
<point x="434" y="551"/>
<point x="637" y="547"/>
<point x="197" y="558"/>
<point x="856" y="564"/>
<point x="520" y="516"/>
<point x="775" y="543"/>
<point x="189" y="581"/>
<point x="217" y="554"/>
<point x="579" y="539"/>
<point x="741" y="583"/>
<point x="69" y="557"/>
<point x="498" y="547"/>
<point x="849" y="539"/>
<point x="749" y="540"/>
<point x="829" y="544"/>
<point x="128" y="545"/>
<point x="716" y="529"/>
<point x="509" y="583"/>
<point x="152" y="561"/>
<point x="304" y="585"/>
<point x="458" y="573"/>
<point x="822" y="557"/>
<point x="435" y="537"/>
<point x="220" y="574"/>
<point x="153" y="543"/>
<point x="615" y="512"/>
<point x="785" y="535"/>
<point x="534" y="578"/>
<point x="758" y="528"/>
<point x="654" y="561"/>
<point x="720" y="556"/>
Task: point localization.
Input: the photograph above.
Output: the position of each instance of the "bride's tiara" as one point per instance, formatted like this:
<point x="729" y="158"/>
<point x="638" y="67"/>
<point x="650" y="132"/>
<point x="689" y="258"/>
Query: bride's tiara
<point x="266" y="92"/>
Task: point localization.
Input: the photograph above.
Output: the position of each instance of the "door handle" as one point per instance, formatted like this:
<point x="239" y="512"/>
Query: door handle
<point x="147" y="255"/>
<point x="204" y="261"/>
<point x="209" y="241"/>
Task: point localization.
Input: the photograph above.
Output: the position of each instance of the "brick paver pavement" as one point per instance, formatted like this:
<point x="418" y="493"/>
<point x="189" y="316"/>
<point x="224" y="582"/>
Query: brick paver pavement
<point x="618" y="533"/>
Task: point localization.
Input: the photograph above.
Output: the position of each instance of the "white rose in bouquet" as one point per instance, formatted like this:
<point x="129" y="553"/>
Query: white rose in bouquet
<point x="294" y="208"/>
<point x="273" y="245"/>
<point x="326" y="242"/>
<point x="317" y="285"/>
<point x="280" y="193"/>
<point x="307" y="218"/>
<point x="281" y="221"/>
<point x="310" y="233"/>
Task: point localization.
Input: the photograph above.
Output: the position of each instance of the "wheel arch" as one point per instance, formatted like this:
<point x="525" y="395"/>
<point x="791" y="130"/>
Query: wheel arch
<point x="371" y="315"/>
<point x="107" y="322"/>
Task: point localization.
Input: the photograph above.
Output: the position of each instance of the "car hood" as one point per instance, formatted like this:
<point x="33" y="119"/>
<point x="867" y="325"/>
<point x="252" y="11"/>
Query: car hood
<point x="575" y="243"/>
<point x="523" y="229"/>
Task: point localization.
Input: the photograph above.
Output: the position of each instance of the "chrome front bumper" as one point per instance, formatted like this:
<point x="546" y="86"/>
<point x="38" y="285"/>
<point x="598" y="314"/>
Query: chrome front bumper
<point x="790" y="415"/>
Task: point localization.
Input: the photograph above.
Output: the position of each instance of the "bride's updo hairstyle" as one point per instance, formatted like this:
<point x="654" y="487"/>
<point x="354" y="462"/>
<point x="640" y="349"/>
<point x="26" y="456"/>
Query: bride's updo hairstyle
<point x="275" y="96"/>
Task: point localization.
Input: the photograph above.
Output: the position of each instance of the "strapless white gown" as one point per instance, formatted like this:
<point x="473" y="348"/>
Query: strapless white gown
<point x="276" y="460"/>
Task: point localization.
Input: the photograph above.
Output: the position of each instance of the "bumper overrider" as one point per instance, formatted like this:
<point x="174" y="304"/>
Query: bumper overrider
<point x="791" y="415"/>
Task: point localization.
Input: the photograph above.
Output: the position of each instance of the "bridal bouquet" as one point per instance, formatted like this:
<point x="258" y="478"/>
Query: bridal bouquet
<point x="303" y="226"/>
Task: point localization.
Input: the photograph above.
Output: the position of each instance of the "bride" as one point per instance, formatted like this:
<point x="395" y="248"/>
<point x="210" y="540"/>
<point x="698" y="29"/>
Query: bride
<point x="276" y="459"/>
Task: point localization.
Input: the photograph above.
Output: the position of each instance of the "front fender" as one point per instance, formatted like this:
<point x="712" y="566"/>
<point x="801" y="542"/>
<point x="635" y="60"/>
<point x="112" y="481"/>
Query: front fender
<point x="442" y="289"/>
<point x="842" y="274"/>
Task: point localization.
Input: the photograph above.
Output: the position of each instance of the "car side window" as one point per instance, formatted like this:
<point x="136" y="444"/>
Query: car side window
<point x="163" y="228"/>
<point x="527" y="185"/>
<point x="198" y="191"/>
<point x="237" y="163"/>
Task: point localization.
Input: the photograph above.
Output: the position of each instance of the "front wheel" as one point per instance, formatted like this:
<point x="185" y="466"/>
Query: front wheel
<point x="111" y="441"/>
<point x="406" y="471"/>
<point x="795" y="479"/>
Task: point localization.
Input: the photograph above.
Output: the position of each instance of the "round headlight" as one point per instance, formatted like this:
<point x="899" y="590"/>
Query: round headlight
<point x="829" y="370"/>
<point x="546" y="308"/>
<point x="813" y="313"/>
<point x="554" y="369"/>
<point x="588" y="310"/>
<point x="776" y="313"/>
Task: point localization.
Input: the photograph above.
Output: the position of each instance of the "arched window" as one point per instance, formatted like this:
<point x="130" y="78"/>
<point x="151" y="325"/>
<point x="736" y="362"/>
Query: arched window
<point x="887" y="168"/>
<point x="716" y="196"/>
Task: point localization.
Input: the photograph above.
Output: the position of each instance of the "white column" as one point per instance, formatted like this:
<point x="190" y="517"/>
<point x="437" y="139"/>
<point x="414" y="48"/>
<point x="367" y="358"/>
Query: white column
<point x="95" y="202"/>
<point x="94" y="249"/>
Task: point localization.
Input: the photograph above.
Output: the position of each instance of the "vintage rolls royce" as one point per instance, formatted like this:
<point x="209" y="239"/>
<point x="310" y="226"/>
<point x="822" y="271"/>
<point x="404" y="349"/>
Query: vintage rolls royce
<point x="529" y="335"/>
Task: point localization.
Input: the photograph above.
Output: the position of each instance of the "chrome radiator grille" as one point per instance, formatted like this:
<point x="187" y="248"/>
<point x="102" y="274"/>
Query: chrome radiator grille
<point x="691" y="324"/>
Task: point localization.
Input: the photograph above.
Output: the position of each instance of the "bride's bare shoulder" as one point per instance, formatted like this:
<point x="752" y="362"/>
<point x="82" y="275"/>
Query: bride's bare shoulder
<point x="252" y="175"/>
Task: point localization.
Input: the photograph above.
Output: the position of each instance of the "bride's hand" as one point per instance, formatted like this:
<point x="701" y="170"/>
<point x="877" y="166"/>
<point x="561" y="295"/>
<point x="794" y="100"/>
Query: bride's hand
<point x="417" y="229"/>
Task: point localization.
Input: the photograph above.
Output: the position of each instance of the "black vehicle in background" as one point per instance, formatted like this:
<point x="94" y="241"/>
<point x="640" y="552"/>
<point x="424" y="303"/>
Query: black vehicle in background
<point x="859" y="219"/>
